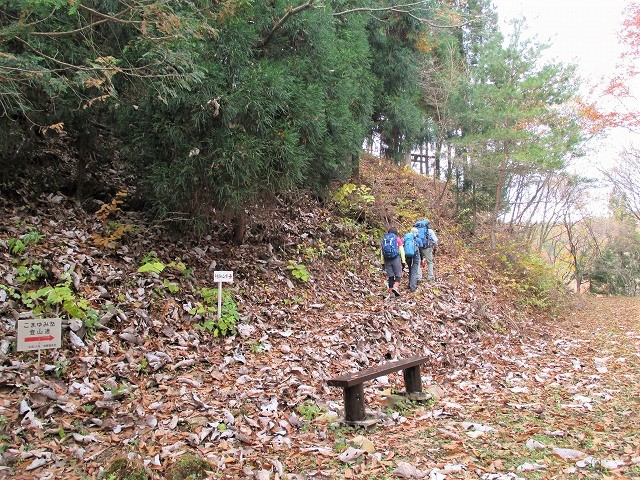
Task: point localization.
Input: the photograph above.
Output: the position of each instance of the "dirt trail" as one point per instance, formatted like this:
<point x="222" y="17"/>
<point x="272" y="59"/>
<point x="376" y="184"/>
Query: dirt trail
<point x="561" y="404"/>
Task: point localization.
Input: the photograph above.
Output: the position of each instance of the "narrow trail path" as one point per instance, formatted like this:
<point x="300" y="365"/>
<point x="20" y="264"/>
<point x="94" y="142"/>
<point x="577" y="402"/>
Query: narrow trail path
<point x="561" y="404"/>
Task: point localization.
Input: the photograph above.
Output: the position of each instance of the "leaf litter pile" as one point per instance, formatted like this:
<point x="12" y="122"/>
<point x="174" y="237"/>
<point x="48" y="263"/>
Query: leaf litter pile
<point x="142" y="379"/>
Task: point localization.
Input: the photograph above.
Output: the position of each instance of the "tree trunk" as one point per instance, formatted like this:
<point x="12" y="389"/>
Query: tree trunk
<point x="436" y="166"/>
<point x="85" y="144"/>
<point x="450" y="163"/>
<point x="407" y="158"/>
<point x="578" y="281"/>
<point x="239" y="227"/>
<point x="496" y="206"/>
<point x="355" y="168"/>
<point x="458" y="187"/>
<point x="392" y="150"/>
<point x="81" y="175"/>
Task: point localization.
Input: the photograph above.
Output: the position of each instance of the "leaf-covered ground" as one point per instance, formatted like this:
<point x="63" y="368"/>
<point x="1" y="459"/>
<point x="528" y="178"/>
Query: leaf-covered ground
<point x="562" y="405"/>
<point x="146" y="380"/>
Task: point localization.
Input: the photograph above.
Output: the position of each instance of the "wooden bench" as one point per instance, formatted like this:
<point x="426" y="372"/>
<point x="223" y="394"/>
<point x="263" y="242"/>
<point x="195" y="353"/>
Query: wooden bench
<point x="353" y="384"/>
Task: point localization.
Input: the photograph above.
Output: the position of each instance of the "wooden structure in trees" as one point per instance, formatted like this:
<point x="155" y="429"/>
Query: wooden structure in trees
<point x="421" y="162"/>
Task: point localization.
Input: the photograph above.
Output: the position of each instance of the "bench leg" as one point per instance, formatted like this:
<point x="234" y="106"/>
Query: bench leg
<point x="412" y="379"/>
<point x="354" y="410"/>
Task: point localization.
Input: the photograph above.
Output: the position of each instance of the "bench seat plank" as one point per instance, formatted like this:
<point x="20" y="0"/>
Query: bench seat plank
<point x="355" y="378"/>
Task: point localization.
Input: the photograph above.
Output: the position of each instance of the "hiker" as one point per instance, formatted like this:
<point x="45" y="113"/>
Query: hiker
<point x="412" y="244"/>
<point x="428" y="250"/>
<point x="392" y="256"/>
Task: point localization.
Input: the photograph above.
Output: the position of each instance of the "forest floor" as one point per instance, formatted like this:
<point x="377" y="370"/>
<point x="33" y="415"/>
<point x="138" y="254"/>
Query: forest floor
<point x="562" y="406"/>
<point x="140" y="374"/>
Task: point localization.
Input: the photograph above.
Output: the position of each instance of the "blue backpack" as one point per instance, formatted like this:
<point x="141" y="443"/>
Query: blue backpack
<point x="409" y="245"/>
<point x="390" y="246"/>
<point x="423" y="227"/>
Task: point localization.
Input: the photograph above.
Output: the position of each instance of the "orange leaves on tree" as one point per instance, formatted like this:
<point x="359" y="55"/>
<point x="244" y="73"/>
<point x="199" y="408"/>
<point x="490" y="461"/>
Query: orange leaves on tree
<point x="630" y="37"/>
<point x="617" y="87"/>
<point x="427" y="43"/>
<point x="111" y="231"/>
<point x="616" y="93"/>
<point x="595" y="120"/>
<point x="631" y="29"/>
<point x="56" y="127"/>
<point x="227" y="10"/>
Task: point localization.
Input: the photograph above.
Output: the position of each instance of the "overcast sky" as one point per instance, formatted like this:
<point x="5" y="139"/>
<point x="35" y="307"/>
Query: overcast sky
<point x="585" y="33"/>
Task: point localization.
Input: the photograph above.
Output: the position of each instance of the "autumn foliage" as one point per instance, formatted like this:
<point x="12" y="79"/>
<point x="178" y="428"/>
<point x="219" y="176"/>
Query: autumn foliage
<point x="615" y="106"/>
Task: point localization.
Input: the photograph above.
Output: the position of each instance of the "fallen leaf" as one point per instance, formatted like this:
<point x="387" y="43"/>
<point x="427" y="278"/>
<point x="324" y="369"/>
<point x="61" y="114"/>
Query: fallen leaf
<point x="569" y="454"/>
<point x="37" y="463"/>
<point x="350" y="454"/>
<point x="533" y="444"/>
<point x="406" y="470"/>
<point x="363" y="443"/>
<point x="612" y="464"/>
<point x="530" y="467"/>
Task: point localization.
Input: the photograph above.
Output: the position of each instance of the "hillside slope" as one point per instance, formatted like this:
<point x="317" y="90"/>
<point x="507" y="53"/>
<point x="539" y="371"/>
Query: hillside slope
<point x="142" y="375"/>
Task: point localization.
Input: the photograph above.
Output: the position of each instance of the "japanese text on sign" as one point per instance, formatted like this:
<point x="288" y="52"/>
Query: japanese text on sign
<point x="222" y="276"/>
<point x="39" y="334"/>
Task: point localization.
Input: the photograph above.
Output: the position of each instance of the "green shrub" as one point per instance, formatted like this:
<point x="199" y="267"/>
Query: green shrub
<point x="30" y="273"/>
<point x="298" y="270"/>
<point x="150" y="263"/>
<point x="56" y="300"/>
<point x="617" y="270"/>
<point x="354" y="201"/>
<point x="17" y="246"/>
<point x="207" y="311"/>
<point x="539" y="285"/>
<point x="534" y="280"/>
<point x="309" y="410"/>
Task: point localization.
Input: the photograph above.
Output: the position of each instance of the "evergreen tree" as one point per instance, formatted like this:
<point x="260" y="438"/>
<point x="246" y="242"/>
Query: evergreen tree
<point x="397" y="114"/>
<point x="617" y="270"/>
<point x="278" y="108"/>
<point x="62" y="65"/>
<point x="516" y="119"/>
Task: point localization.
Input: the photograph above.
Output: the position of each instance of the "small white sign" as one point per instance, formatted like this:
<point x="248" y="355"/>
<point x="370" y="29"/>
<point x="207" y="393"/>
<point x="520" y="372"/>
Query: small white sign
<point x="222" y="276"/>
<point x="39" y="334"/>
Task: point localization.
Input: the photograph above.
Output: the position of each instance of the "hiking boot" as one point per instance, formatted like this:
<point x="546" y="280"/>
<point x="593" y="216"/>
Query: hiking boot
<point x="395" y="291"/>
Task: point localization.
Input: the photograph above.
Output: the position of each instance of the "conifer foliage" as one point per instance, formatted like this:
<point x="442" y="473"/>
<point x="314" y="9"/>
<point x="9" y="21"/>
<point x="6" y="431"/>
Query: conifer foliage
<point x="217" y="104"/>
<point x="214" y="103"/>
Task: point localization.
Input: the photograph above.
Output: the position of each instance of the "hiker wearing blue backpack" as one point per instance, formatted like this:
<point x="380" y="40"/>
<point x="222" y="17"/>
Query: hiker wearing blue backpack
<point x="392" y="256"/>
<point x="412" y="244"/>
<point x="429" y="247"/>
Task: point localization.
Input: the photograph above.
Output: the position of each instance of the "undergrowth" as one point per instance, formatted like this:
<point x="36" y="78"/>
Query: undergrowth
<point x="533" y="280"/>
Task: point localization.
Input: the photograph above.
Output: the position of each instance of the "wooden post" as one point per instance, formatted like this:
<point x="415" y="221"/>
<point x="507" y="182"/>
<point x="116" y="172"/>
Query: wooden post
<point x="412" y="379"/>
<point x="354" y="410"/>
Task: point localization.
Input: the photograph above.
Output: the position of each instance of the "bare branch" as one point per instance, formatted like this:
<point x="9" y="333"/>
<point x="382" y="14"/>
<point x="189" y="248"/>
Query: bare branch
<point x="406" y="9"/>
<point x="104" y="18"/>
<point x="132" y="72"/>
<point x="114" y="18"/>
<point x="68" y="32"/>
<point x="278" y="25"/>
<point x="381" y="9"/>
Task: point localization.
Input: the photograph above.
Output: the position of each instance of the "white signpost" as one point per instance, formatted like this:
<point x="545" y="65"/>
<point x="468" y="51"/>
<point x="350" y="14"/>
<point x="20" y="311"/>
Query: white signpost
<point x="39" y="334"/>
<point x="221" y="276"/>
